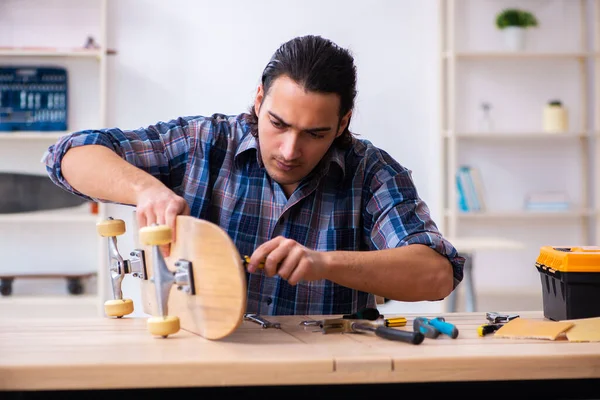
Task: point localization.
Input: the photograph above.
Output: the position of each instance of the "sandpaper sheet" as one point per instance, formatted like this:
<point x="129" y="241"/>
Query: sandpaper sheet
<point x="584" y="330"/>
<point x="523" y="328"/>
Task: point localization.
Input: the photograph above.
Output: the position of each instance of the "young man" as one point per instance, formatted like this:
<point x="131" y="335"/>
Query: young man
<point x="336" y="220"/>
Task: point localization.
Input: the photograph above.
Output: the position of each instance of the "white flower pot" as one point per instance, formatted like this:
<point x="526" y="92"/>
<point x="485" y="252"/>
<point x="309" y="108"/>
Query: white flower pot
<point x="514" y="38"/>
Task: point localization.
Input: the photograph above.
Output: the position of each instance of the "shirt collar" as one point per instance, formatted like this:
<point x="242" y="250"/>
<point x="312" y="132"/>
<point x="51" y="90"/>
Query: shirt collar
<point x="335" y="156"/>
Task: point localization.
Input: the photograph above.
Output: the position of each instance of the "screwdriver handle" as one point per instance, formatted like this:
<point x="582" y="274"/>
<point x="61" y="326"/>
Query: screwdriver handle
<point x="391" y="333"/>
<point x="395" y="322"/>
<point x="246" y="261"/>
<point x="488" y="328"/>
<point x="397" y="334"/>
<point x="421" y="324"/>
<point x="444" y="327"/>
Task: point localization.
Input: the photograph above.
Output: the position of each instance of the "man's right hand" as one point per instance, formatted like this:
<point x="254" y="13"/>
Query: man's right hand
<point x="160" y="205"/>
<point x="99" y="172"/>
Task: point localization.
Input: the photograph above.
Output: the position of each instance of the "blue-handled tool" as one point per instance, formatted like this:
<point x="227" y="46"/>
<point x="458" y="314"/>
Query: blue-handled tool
<point x="421" y="324"/>
<point x="444" y="327"/>
<point x="431" y="328"/>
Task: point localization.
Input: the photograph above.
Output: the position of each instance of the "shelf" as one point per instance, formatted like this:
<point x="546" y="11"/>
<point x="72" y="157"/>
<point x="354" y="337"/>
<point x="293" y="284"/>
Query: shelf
<point x="71" y="214"/>
<point x="518" y="214"/>
<point x="518" y="54"/>
<point x="519" y="135"/>
<point x="33" y="135"/>
<point x="51" y="52"/>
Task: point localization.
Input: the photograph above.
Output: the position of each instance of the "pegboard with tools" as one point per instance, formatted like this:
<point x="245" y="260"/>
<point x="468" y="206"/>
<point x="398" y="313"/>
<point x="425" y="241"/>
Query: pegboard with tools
<point x="33" y="98"/>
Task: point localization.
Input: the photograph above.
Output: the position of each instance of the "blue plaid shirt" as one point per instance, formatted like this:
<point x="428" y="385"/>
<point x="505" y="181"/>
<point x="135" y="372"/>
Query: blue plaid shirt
<point x="356" y="199"/>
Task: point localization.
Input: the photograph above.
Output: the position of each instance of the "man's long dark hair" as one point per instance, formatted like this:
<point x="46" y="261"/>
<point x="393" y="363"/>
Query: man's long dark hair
<point x="318" y="65"/>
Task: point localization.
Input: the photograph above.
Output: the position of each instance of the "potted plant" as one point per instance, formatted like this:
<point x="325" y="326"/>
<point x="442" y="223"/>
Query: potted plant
<point x="513" y="22"/>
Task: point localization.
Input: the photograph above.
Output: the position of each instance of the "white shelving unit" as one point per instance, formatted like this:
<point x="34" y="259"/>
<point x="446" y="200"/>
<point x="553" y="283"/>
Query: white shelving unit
<point x="78" y="219"/>
<point x="511" y="157"/>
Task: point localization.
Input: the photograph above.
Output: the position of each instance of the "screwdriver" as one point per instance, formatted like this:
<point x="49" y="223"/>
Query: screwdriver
<point x="446" y="328"/>
<point x="421" y="324"/>
<point x="246" y="261"/>
<point x="372" y="314"/>
<point x="488" y="328"/>
<point x="394" y="322"/>
<point x="431" y="328"/>
<point x="366" y="313"/>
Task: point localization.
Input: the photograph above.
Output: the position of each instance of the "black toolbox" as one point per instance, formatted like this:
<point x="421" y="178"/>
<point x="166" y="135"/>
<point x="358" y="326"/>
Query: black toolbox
<point x="570" y="279"/>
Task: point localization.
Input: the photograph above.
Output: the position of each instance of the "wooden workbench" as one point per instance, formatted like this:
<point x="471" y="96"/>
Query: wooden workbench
<point x="103" y="353"/>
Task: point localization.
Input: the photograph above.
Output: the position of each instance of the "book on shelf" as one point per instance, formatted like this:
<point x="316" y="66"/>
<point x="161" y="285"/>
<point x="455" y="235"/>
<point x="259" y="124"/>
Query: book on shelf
<point x="469" y="189"/>
<point x="547" y="201"/>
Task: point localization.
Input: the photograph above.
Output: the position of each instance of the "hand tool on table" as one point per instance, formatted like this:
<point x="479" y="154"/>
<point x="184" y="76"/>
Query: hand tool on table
<point x="372" y="314"/>
<point x="432" y="328"/>
<point x="369" y="313"/>
<point x="495" y="321"/>
<point x="341" y="325"/>
<point x="261" y="321"/>
<point x="421" y="324"/>
<point x="497" y="318"/>
<point x="488" y="328"/>
<point x="366" y="314"/>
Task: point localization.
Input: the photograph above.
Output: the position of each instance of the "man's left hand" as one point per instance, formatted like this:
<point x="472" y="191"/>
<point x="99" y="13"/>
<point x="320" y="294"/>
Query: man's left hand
<point x="288" y="259"/>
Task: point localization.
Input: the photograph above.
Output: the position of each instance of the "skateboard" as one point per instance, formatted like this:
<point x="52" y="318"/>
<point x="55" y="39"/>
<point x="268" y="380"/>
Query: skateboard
<point x="199" y="287"/>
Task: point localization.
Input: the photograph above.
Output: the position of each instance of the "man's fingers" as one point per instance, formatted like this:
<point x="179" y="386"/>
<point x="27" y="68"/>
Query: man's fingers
<point x="278" y="255"/>
<point x="290" y="262"/>
<point x="141" y="219"/>
<point x="260" y="254"/>
<point x="170" y="217"/>
<point x="298" y="273"/>
<point x="150" y="218"/>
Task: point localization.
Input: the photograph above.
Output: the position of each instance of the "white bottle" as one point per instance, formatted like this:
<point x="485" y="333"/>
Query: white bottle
<point x="555" y="117"/>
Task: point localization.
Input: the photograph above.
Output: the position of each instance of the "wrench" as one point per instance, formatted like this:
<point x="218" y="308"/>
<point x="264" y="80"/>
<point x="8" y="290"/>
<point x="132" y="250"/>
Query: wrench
<point x="261" y="321"/>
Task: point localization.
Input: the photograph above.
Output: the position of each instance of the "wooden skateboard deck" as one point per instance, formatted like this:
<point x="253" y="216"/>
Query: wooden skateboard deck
<point x="217" y="307"/>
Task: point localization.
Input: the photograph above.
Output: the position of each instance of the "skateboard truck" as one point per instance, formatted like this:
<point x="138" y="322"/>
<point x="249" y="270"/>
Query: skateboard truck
<point x="164" y="279"/>
<point x="119" y="267"/>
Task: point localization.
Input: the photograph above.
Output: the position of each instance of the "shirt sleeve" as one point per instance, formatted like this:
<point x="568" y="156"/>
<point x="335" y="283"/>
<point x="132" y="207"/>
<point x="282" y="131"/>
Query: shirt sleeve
<point x="399" y="217"/>
<point x="161" y="150"/>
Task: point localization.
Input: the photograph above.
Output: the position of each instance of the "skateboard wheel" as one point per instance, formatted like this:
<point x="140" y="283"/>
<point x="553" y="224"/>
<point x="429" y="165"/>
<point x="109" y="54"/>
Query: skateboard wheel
<point x="118" y="308"/>
<point x="156" y="235"/>
<point x="111" y="227"/>
<point x="163" y="326"/>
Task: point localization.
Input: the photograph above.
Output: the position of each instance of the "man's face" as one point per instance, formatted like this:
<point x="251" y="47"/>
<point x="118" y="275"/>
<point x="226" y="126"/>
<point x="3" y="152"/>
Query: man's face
<point x="295" y="129"/>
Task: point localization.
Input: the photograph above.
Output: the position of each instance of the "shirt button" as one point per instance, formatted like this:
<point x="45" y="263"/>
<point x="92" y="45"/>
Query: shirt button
<point x="269" y="301"/>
